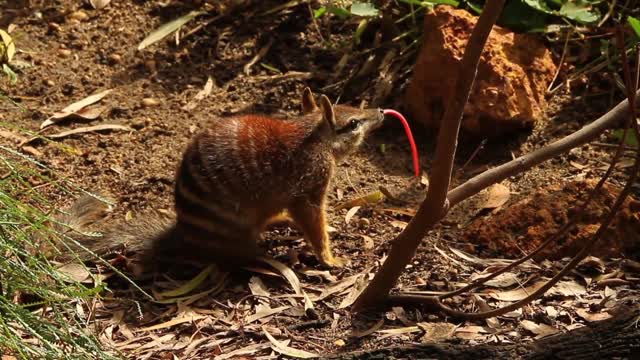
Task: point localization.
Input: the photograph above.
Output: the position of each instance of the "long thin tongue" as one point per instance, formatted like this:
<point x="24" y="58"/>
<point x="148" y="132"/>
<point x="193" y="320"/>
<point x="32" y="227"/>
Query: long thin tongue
<point x="407" y="130"/>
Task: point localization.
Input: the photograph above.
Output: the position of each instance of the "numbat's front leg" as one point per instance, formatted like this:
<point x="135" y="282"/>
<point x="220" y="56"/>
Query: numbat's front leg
<point x="309" y="214"/>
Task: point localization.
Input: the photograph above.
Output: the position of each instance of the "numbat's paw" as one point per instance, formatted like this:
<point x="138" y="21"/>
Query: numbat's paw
<point x="334" y="262"/>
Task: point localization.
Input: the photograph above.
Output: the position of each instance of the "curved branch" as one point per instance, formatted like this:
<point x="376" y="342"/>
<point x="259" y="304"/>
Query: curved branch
<point x="525" y="162"/>
<point x="435" y="206"/>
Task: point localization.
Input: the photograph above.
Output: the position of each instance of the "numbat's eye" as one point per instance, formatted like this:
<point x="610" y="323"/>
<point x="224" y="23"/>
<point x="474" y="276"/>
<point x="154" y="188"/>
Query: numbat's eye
<point x="353" y="124"/>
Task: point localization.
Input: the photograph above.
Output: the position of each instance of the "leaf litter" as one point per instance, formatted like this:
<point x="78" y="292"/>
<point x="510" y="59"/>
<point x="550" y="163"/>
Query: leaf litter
<point x="208" y="318"/>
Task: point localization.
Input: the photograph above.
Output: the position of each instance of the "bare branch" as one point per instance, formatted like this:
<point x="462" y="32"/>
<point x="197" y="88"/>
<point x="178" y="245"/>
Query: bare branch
<point x="435" y="205"/>
<point x="525" y="162"/>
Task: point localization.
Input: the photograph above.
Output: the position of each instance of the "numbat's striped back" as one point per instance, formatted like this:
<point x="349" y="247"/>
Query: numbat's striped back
<point x="240" y="172"/>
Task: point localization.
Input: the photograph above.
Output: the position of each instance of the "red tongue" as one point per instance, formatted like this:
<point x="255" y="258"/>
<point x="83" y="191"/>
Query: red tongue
<point x="414" y="150"/>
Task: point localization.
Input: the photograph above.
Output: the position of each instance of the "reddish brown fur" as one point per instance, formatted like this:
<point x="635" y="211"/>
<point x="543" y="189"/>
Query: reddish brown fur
<point x="238" y="173"/>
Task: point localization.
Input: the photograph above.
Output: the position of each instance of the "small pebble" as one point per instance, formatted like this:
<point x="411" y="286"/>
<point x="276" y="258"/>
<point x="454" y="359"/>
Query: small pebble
<point x="148" y="102"/>
<point x="79" y="15"/>
<point x="49" y="83"/>
<point x="64" y="53"/>
<point x="115" y="58"/>
<point x="55" y="27"/>
<point x="364" y="223"/>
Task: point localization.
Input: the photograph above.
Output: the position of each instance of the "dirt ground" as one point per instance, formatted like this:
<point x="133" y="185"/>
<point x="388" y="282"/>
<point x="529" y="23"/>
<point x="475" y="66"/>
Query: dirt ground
<point x="76" y="58"/>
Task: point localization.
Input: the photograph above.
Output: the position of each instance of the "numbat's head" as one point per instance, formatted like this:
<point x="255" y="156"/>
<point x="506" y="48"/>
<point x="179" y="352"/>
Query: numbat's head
<point x="346" y="126"/>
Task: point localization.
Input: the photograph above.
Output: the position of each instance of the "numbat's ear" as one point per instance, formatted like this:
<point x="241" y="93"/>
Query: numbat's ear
<point x="328" y="116"/>
<point x="308" y="103"/>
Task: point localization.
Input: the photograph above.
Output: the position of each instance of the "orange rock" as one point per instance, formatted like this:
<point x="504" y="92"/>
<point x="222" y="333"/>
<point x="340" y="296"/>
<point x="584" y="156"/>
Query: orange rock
<point x="513" y="74"/>
<point x="521" y="227"/>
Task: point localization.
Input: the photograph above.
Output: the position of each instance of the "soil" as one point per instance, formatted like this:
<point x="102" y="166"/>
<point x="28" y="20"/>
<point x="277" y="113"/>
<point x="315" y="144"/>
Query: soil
<point x="73" y="59"/>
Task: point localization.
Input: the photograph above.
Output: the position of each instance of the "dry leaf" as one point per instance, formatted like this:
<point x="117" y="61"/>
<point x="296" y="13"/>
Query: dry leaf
<point x="91" y="112"/>
<point x="577" y="165"/>
<point x="206" y="91"/>
<point x="325" y="274"/>
<point x="564" y="288"/>
<point x="286" y="350"/>
<point x="247" y="350"/>
<point x="370" y="198"/>
<point x="436" y="332"/>
<point x="399" y="331"/>
<point x="337" y="287"/>
<point x="285" y="271"/>
<point x="166" y="29"/>
<point x="77" y="272"/>
<point x="541" y="330"/>
<point x="257" y="287"/>
<point x="99" y="4"/>
<point x="350" y="213"/>
<point x="9" y="45"/>
<point x="501" y="281"/>
<point x="175" y="321"/>
<point x="408" y="211"/>
<point x="191" y="284"/>
<point x="612" y="282"/>
<point x="74" y="108"/>
<point x="358" y="287"/>
<point x="497" y="196"/>
<point x="262" y="311"/>
<point x="367" y="243"/>
<point x="585" y="314"/>
<point x="471" y="332"/>
<point x="82" y="130"/>
<point x="399" y="224"/>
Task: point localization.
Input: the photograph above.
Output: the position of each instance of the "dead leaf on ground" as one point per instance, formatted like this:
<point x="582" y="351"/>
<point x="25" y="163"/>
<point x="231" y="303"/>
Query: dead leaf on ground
<point x="257" y="287"/>
<point x="262" y="311"/>
<point x="471" y="332"/>
<point x="190" y="285"/>
<point x="351" y="213"/>
<point x="99" y="4"/>
<point x="168" y="28"/>
<point x="358" y="287"/>
<point x="82" y="130"/>
<point x="206" y="91"/>
<point x="285" y="271"/>
<point x="564" y="288"/>
<point x="613" y="282"/>
<point x="541" y="330"/>
<point x="286" y="350"/>
<point x="77" y="272"/>
<point x="590" y="317"/>
<point x="399" y="224"/>
<point x="436" y="332"/>
<point x="371" y="198"/>
<point x="503" y="280"/>
<point x="325" y="274"/>
<point x="75" y="109"/>
<point x="175" y="321"/>
<point x="337" y="287"/>
<point x="247" y="350"/>
<point x="497" y="196"/>
<point x="368" y="243"/>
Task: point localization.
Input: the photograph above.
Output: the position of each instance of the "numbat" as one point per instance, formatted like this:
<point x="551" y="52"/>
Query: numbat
<point x="240" y="173"/>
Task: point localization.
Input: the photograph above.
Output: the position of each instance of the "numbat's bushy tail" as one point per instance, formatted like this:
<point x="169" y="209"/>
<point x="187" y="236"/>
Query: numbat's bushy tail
<point x="240" y="172"/>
